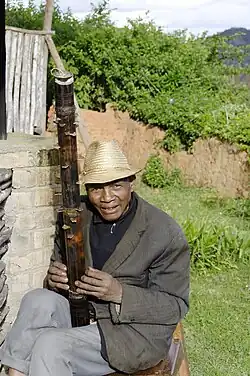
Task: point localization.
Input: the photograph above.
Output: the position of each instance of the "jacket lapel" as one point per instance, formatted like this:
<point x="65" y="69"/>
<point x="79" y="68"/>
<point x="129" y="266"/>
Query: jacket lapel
<point x="86" y="220"/>
<point x="129" y="241"/>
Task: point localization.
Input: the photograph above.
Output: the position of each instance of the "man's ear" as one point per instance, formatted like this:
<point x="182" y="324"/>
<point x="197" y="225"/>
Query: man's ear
<point x="132" y="185"/>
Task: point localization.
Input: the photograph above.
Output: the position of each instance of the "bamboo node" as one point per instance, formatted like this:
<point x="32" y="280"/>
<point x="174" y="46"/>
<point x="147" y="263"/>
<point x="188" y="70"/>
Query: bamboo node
<point x="66" y="227"/>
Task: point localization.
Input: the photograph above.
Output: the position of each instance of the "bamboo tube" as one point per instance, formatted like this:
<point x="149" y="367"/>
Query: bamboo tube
<point x="16" y="99"/>
<point x="83" y="130"/>
<point x="12" y="62"/>
<point x="34" y="82"/>
<point x="27" y="127"/>
<point x="8" y="57"/>
<point x="38" y="117"/>
<point x="71" y="212"/>
<point x="38" y="85"/>
<point x="43" y="117"/>
<point x="23" y="90"/>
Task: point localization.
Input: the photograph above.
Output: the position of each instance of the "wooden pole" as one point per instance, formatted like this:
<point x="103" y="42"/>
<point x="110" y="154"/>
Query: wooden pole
<point x="184" y="366"/>
<point x="3" y="123"/>
<point x="49" y="8"/>
<point x="47" y="25"/>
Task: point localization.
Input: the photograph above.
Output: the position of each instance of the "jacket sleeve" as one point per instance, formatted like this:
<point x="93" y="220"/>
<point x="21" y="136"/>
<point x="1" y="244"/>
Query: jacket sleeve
<point x="165" y="301"/>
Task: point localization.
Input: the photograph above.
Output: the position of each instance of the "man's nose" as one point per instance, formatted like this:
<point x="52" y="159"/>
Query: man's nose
<point x="106" y="194"/>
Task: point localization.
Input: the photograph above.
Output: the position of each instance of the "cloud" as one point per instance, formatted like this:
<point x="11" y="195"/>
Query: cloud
<point x="194" y="15"/>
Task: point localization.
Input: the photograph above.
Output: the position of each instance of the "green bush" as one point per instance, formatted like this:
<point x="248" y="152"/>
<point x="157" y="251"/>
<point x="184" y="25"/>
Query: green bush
<point x="216" y="247"/>
<point x="156" y="176"/>
<point x="187" y="90"/>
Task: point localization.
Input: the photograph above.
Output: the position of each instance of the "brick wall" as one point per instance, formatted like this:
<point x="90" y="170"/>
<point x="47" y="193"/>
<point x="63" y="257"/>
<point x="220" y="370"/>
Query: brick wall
<point x="30" y="210"/>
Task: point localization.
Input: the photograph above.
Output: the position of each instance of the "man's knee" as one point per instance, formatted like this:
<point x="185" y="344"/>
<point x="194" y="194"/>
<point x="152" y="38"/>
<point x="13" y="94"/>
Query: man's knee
<point x="49" y="345"/>
<point x="42" y="298"/>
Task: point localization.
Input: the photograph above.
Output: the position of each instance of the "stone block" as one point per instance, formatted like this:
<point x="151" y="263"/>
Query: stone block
<point x="17" y="159"/>
<point x="28" y="262"/>
<point x="19" y="200"/>
<point x="21" y="241"/>
<point x="22" y="199"/>
<point x="48" y="196"/>
<point x="18" y="283"/>
<point x="44" y="238"/>
<point x="20" y="150"/>
<point x="37" y="277"/>
<point x="35" y="177"/>
<point x="48" y="157"/>
<point x="38" y="218"/>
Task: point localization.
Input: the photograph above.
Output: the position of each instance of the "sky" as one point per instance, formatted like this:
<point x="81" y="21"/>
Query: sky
<point x="195" y="15"/>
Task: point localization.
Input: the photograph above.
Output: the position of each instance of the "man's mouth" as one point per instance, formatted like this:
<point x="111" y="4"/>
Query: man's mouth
<point x="109" y="210"/>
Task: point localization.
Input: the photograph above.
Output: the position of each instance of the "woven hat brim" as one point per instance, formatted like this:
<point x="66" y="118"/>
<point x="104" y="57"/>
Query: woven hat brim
<point x="108" y="176"/>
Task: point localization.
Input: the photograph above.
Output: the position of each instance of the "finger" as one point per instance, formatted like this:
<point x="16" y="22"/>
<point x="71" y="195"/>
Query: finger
<point x="57" y="278"/>
<point x="87" y="287"/>
<point x="95" y="273"/>
<point x="62" y="286"/>
<point x="92" y="281"/>
<point x="98" y="295"/>
<point x="57" y="271"/>
<point x="59" y="265"/>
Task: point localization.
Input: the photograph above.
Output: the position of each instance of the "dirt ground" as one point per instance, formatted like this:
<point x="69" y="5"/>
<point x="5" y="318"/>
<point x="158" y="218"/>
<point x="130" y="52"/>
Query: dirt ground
<point x="211" y="164"/>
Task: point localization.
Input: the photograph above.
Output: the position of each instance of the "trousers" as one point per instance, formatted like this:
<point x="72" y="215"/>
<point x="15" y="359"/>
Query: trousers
<point x="42" y="341"/>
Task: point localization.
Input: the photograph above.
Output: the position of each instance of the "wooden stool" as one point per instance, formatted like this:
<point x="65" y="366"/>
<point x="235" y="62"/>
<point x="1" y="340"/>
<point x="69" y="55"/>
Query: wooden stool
<point x="176" y="363"/>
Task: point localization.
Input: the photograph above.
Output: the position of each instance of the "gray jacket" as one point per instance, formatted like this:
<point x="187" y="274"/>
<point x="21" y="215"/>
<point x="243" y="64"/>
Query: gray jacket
<point x="152" y="263"/>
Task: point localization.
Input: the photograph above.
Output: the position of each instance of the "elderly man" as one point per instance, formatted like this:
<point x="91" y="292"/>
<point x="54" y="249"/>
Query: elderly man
<point x="137" y="285"/>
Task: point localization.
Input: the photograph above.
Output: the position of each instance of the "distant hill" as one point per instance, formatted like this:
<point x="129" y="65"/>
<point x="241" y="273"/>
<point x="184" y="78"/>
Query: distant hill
<point x="241" y="40"/>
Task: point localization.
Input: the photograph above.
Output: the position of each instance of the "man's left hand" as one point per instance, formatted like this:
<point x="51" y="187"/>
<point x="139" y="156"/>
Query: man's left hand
<point x="101" y="285"/>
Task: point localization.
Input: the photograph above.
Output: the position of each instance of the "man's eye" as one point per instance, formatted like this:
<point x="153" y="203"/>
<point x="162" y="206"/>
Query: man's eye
<point x="117" y="185"/>
<point x="95" y="190"/>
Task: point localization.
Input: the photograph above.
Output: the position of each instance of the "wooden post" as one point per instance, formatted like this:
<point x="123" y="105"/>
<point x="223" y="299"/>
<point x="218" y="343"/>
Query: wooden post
<point x="3" y="124"/>
<point x="49" y="8"/>
<point x="47" y="25"/>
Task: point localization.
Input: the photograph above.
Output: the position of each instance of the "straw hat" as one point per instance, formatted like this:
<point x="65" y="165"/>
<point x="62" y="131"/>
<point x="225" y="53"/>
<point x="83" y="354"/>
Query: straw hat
<point x="105" y="162"/>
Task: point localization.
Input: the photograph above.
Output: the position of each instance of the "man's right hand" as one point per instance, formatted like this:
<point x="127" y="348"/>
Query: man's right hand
<point x="57" y="276"/>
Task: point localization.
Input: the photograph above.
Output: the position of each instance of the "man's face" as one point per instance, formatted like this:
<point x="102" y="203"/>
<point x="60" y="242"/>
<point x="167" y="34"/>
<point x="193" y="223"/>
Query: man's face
<point x="110" y="199"/>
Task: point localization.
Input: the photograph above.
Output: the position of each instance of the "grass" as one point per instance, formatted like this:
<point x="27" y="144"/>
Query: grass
<point x="217" y="327"/>
<point x="195" y="203"/>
